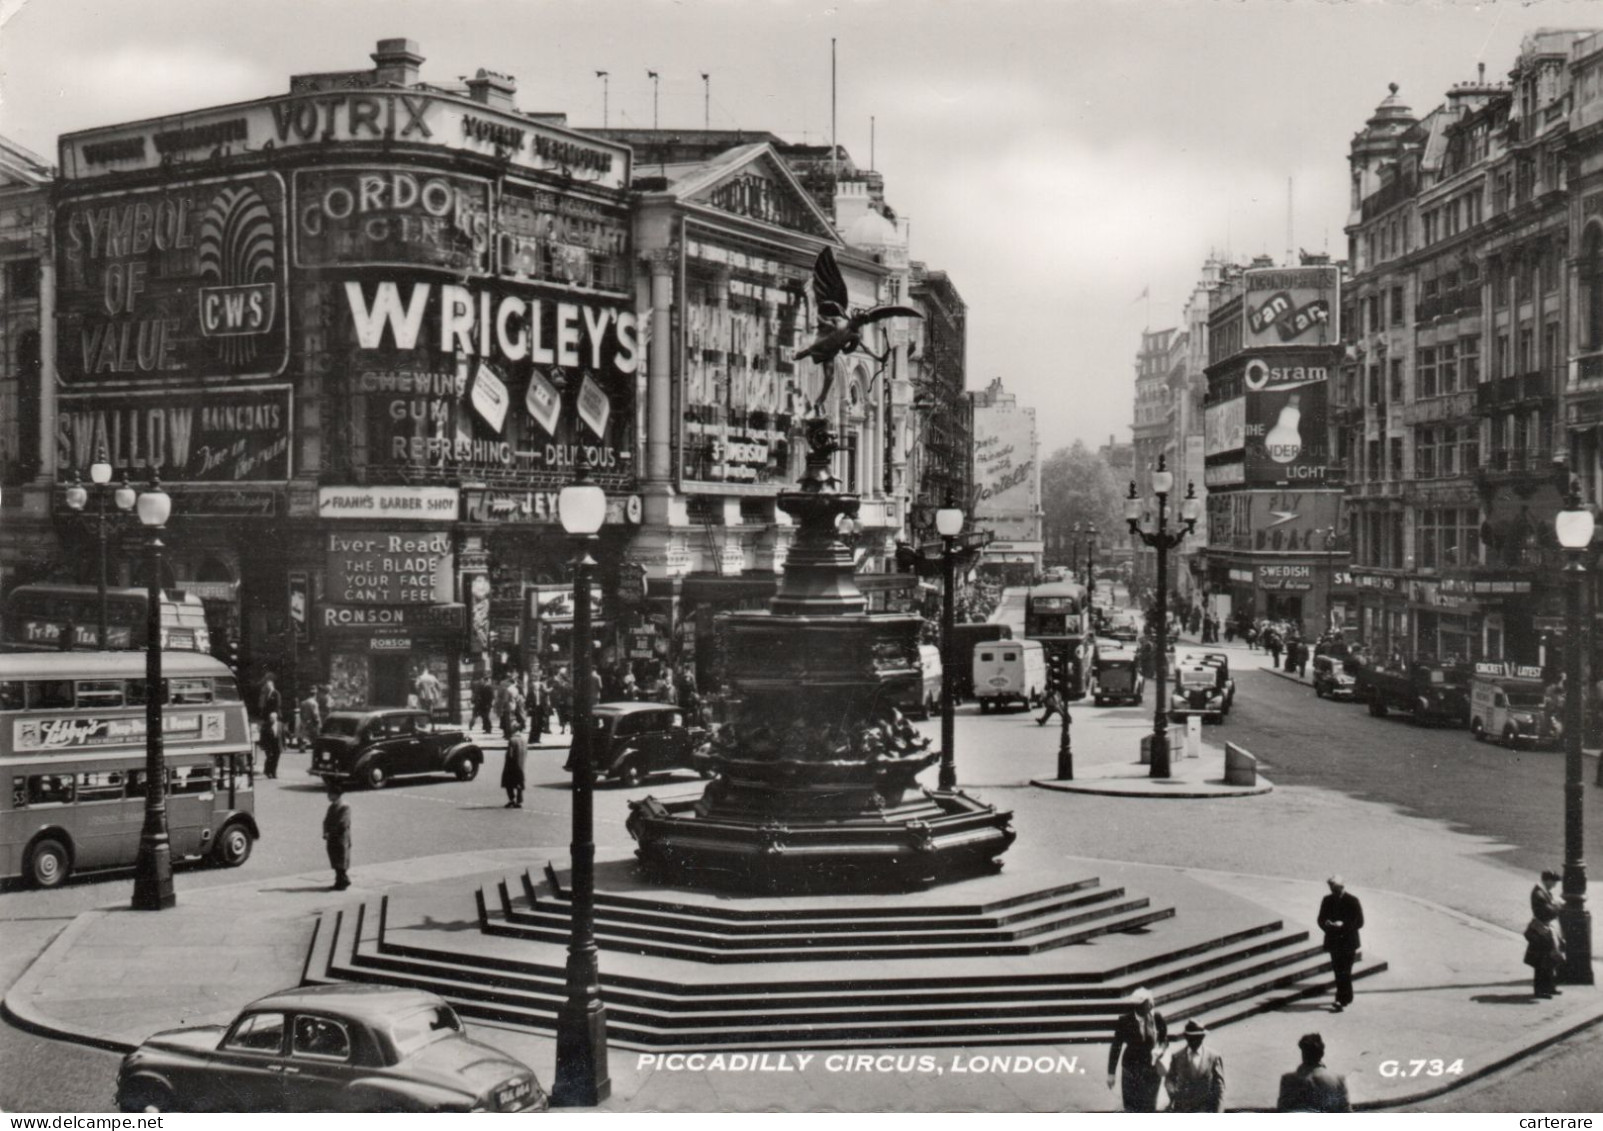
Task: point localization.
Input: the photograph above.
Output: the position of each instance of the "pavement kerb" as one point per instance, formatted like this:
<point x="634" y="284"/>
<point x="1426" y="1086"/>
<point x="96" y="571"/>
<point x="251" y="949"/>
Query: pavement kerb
<point x="19" y="1008"/>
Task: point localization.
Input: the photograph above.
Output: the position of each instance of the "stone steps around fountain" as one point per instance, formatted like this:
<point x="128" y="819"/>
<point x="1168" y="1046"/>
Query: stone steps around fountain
<point x="697" y="937"/>
<point x="352" y="950"/>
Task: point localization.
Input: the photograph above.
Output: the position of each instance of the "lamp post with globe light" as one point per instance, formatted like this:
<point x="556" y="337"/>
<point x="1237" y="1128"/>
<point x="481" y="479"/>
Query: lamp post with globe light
<point x="949" y="523"/>
<point x="153" y="866"/>
<point x="582" y="1079"/>
<point x="1162" y="540"/>
<point x="77" y="497"/>
<point x="1090" y="560"/>
<point x="1574" y="527"/>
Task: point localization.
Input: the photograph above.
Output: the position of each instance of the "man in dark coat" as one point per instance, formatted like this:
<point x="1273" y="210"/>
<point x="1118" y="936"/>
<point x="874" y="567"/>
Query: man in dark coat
<point x="1340" y="917"/>
<point x="1140" y="1038"/>
<point x="337" y="835"/>
<point x="272" y="713"/>
<point x="512" y="769"/>
<point x="1544" y="945"/>
<point x="1313" y="1087"/>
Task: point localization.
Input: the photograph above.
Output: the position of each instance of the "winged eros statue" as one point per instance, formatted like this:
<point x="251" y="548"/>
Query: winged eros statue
<point x="841" y="329"/>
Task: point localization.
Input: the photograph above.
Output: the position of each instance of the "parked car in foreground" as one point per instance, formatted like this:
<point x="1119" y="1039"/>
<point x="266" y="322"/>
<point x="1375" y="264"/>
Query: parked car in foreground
<point x="328" y="1048"/>
<point x="1332" y="680"/>
<point x="634" y="740"/>
<point x="373" y="747"/>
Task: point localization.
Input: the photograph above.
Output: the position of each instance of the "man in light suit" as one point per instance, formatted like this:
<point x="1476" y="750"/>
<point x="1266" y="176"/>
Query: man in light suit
<point x="1196" y="1079"/>
<point x="1313" y="1087"/>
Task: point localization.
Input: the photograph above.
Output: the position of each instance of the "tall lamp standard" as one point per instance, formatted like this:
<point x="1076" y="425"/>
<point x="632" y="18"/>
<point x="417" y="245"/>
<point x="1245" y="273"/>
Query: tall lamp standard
<point x="77" y="497"/>
<point x="949" y="523"/>
<point x="1574" y="527"/>
<point x="1162" y="541"/>
<point x="1090" y="558"/>
<point x="582" y="1079"/>
<point x="1074" y="549"/>
<point x="1330" y="579"/>
<point x="153" y="866"/>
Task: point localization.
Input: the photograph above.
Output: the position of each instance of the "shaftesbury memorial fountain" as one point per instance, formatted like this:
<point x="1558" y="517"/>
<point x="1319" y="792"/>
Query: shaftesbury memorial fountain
<point x="815" y="787"/>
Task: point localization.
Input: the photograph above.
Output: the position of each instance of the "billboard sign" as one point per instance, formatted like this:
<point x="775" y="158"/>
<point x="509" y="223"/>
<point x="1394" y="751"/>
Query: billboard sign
<point x="238" y="435"/>
<point x="391" y="217"/>
<point x="1005" y="468"/>
<point x="319" y="120"/>
<point x="1224" y="426"/>
<point x="1291" y="306"/>
<point x="173" y="284"/>
<point x="1287" y="439"/>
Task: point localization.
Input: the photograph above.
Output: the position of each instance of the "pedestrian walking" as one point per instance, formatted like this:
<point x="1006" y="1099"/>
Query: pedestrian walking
<point x="512" y="779"/>
<point x="1544" y="944"/>
<point x="689" y="696"/>
<point x="271" y="704"/>
<point x="1250" y="634"/>
<point x="1301" y="659"/>
<point x="1272" y="645"/>
<point x="325" y="701"/>
<point x="1140" y="1038"/>
<point x="562" y="699"/>
<point x="309" y="722"/>
<point x="539" y="704"/>
<point x="483" y="703"/>
<point x="1196" y="1079"/>
<point x="1313" y="1087"/>
<point x="1340" y="917"/>
<point x="337" y="835"/>
<point x="1054" y="705"/>
<point x="427" y="688"/>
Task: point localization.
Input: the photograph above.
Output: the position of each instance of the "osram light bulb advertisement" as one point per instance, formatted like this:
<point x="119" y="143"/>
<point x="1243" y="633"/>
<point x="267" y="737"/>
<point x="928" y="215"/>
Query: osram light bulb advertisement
<point x="1287" y="439"/>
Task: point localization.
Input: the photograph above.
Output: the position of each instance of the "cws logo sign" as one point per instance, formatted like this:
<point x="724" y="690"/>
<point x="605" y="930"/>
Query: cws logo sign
<point x="185" y="281"/>
<point x="239" y="253"/>
<point x="1292" y="306"/>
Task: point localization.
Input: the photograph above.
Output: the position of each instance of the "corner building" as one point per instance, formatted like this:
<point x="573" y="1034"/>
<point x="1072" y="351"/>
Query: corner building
<point x="364" y="332"/>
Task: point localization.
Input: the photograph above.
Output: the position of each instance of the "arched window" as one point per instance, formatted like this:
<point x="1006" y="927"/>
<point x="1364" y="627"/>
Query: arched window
<point x="1591" y="278"/>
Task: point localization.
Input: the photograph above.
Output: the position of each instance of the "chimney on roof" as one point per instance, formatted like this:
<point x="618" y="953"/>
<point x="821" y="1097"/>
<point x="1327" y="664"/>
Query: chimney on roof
<point x="396" y="62"/>
<point x="493" y="89"/>
<point x="1480" y="74"/>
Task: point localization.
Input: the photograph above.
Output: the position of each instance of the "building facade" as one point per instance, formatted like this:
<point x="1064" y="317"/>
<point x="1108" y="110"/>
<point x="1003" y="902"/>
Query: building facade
<point x="1007" y="475"/>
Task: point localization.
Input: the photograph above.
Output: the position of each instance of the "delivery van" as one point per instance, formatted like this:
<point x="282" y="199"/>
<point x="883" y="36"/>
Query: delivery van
<point x="923" y="699"/>
<point x="1508" y="704"/>
<point x="1009" y="671"/>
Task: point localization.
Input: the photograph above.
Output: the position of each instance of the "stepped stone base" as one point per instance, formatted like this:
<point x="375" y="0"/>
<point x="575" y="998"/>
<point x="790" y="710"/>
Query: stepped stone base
<point x="992" y="960"/>
<point x="926" y="838"/>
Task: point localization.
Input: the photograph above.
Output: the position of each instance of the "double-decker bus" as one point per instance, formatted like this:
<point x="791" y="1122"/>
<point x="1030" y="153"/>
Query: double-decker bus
<point x="72" y="749"/>
<point x="1057" y="614"/>
<point x="45" y="617"/>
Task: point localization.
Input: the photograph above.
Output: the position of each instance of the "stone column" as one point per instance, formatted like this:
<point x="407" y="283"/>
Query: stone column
<point x="659" y="387"/>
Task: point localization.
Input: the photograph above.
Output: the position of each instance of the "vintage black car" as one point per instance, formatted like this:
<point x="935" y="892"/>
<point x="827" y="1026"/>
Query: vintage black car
<point x="633" y="741"/>
<point x="1333" y="679"/>
<point x="1117" y="678"/>
<point x="1196" y="690"/>
<point x="328" y="1048"/>
<point x="1220" y="663"/>
<point x="372" y="747"/>
<point x="1429" y="691"/>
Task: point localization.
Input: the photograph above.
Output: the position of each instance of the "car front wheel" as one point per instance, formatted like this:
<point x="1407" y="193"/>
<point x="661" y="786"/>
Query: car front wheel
<point x="146" y="1096"/>
<point x="375" y="776"/>
<point x="465" y="768"/>
<point x="630" y="775"/>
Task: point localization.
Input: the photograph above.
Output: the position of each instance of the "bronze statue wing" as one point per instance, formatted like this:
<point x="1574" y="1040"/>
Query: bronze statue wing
<point x="880" y="313"/>
<point x="829" y="286"/>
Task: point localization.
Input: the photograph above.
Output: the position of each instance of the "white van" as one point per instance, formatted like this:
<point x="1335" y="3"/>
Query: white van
<point x="923" y="699"/>
<point x="1009" y="671"/>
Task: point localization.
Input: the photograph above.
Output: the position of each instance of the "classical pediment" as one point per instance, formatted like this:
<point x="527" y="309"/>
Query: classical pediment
<point x="751" y="181"/>
<point x="22" y="168"/>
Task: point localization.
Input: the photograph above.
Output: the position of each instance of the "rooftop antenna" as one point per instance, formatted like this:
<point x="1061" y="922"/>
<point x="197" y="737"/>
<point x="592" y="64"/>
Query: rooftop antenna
<point x="1291" y="255"/>
<point x="706" y="101"/>
<point x="655" y="84"/>
<point x="602" y="75"/>
<point x="834" y="151"/>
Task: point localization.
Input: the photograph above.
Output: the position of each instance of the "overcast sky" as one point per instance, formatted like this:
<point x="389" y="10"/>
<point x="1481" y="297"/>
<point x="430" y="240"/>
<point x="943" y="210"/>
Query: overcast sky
<point x="1056" y="159"/>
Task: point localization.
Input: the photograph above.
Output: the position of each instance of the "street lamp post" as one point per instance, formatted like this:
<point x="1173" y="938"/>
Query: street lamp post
<point x="1090" y="559"/>
<point x="1330" y="579"/>
<point x="949" y="522"/>
<point x="153" y="867"/>
<point x="1162" y="541"/>
<point x="1074" y="549"/>
<point x="1574" y="527"/>
<point x="77" y="497"/>
<point x="582" y="1079"/>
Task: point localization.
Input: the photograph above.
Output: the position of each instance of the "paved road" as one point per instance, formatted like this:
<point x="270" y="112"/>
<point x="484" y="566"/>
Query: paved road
<point x="1513" y="798"/>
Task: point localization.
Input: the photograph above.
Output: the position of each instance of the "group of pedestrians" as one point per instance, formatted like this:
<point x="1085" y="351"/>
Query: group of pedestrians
<point x="1194" y="1076"/>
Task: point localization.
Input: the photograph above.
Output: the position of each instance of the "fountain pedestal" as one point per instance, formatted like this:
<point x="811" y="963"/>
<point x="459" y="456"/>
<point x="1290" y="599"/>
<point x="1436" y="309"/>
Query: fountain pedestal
<point x="815" y="787"/>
